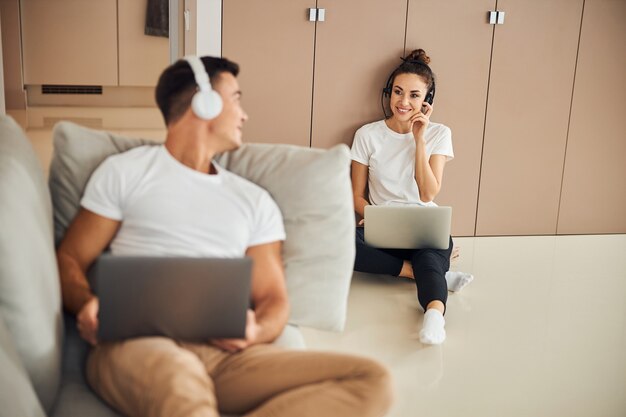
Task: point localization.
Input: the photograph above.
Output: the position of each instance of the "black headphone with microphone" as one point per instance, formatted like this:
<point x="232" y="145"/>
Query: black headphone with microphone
<point x="430" y="94"/>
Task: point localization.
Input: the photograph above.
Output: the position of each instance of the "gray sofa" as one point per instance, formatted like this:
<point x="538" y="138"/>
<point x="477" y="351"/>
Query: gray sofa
<point x="41" y="354"/>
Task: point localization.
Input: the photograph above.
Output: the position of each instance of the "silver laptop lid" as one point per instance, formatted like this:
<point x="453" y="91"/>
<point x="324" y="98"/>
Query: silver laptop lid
<point x="191" y="299"/>
<point x="407" y="227"/>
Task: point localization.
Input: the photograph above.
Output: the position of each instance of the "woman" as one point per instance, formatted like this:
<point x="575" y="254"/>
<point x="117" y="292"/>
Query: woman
<point x="400" y="160"/>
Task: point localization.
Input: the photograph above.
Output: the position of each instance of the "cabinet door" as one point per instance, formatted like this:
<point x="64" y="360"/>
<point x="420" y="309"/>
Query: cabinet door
<point x="594" y="182"/>
<point x="3" y="109"/>
<point x="12" y="54"/>
<point x="142" y="58"/>
<point x="461" y="67"/>
<point x="530" y="91"/>
<point x="357" y="46"/>
<point x="69" y="42"/>
<point x="273" y="44"/>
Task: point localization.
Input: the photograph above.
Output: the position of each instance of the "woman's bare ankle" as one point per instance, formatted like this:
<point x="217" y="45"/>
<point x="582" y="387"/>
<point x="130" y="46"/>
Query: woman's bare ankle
<point x="407" y="270"/>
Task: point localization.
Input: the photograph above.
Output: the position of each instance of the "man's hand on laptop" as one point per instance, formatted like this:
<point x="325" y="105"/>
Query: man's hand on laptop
<point x="235" y="345"/>
<point x="87" y="321"/>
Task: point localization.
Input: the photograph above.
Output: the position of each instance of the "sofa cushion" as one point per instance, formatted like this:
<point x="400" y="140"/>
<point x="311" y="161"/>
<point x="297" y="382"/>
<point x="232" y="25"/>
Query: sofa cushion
<point x="29" y="283"/>
<point x="16" y="392"/>
<point x="75" y="398"/>
<point x="311" y="187"/>
<point x="77" y="153"/>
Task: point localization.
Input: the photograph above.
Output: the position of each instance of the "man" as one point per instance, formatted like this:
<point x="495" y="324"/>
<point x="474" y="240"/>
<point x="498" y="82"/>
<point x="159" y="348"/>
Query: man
<point x="173" y="200"/>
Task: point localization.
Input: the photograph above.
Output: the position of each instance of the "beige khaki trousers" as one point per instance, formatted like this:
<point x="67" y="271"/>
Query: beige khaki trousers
<point x="160" y="377"/>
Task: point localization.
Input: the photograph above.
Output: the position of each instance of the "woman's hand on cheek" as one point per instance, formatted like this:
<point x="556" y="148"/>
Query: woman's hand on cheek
<point x="420" y="121"/>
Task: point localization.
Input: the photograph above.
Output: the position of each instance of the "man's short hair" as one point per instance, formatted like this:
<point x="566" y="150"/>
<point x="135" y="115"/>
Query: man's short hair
<point x="177" y="85"/>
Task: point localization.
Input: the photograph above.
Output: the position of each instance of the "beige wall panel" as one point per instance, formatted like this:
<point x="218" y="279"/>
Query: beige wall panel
<point x="69" y="42"/>
<point x="11" y="52"/>
<point x="530" y="91"/>
<point x="3" y="108"/>
<point x="273" y="44"/>
<point x="461" y="65"/>
<point x="142" y="58"/>
<point x="594" y="182"/>
<point x="357" y="46"/>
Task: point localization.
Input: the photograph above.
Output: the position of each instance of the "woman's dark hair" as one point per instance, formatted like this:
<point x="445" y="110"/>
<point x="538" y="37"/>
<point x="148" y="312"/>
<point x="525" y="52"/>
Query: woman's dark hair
<point x="414" y="63"/>
<point x="177" y="85"/>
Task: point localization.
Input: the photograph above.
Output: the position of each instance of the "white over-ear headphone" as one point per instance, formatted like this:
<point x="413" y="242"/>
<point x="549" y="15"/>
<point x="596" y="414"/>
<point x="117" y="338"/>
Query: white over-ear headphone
<point x="206" y="103"/>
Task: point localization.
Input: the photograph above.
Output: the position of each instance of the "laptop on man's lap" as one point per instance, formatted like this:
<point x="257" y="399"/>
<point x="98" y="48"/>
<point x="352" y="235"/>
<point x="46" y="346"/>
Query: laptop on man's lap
<point x="190" y="299"/>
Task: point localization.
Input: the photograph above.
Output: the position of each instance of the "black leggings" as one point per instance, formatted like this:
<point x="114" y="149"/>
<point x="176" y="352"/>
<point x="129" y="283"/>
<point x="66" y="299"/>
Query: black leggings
<point x="429" y="266"/>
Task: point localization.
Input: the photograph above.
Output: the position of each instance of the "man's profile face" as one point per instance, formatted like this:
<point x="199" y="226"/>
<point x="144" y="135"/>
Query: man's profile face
<point x="229" y="124"/>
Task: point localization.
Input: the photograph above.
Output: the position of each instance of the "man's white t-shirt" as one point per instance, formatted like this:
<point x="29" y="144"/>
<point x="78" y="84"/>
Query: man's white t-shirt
<point x="167" y="208"/>
<point x="390" y="157"/>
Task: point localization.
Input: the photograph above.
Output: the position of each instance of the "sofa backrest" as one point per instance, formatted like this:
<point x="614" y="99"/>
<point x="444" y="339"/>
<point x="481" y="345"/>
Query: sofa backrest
<point x="17" y="395"/>
<point x="29" y="284"/>
<point x="311" y="187"/>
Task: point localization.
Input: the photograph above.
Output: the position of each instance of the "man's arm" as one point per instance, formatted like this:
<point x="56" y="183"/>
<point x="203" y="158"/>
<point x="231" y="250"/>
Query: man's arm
<point x="269" y="295"/>
<point x="86" y="238"/>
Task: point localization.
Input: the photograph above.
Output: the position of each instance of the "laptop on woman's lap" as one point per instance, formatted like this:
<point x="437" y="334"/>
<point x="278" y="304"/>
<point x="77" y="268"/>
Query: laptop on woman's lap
<point x="407" y="227"/>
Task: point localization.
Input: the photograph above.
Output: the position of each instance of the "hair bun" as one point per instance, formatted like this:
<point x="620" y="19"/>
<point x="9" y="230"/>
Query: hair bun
<point x="418" y="55"/>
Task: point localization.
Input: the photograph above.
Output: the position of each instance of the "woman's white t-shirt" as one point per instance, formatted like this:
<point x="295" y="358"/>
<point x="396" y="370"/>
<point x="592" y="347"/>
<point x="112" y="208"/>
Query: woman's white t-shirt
<point x="390" y="157"/>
